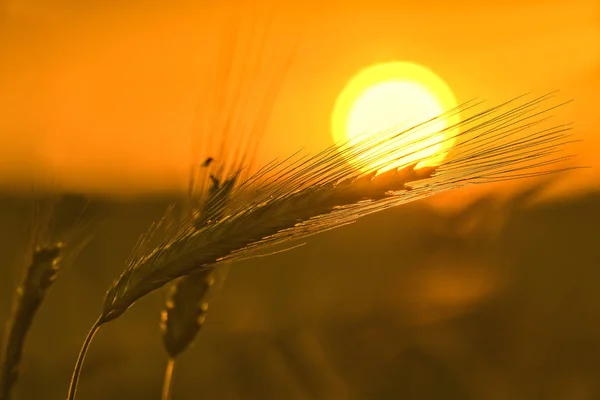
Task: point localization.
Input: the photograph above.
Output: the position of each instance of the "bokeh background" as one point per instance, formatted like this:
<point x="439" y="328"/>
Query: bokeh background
<point x="497" y="301"/>
<point x="483" y="293"/>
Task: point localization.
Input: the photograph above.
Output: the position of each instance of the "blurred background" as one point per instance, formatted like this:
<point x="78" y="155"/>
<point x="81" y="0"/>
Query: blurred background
<point x="482" y="293"/>
<point x="497" y="301"/>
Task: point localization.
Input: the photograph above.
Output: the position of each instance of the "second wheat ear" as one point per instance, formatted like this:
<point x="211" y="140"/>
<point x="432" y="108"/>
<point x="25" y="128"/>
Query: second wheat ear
<point x="39" y="276"/>
<point x="187" y="302"/>
<point x="299" y="198"/>
<point x="183" y="317"/>
<point x="50" y="251"/>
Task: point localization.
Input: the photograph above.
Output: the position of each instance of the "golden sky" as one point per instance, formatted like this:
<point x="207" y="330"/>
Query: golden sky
<point x="104" y="97"/>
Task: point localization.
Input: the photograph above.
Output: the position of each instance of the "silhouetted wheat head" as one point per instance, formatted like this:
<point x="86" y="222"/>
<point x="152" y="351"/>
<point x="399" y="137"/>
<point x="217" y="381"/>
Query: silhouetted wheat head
<point x="187" y="302"/>
<point x="46" y="257"/>
<point x="302" y="196"/>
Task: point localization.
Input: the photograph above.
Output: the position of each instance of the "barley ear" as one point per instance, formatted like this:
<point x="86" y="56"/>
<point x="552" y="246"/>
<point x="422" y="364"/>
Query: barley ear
<point x="39" y="276"/>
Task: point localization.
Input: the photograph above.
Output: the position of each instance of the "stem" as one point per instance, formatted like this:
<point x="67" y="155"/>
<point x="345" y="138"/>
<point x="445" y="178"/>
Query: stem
<point x="16" y="332"/>
<point x="168" y="382"/>
<point x="80" y="359"/>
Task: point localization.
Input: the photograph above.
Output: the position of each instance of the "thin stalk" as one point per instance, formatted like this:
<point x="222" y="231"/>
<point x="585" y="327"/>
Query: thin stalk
<point x="168" y="382"/>
<point x="81" y="358"/>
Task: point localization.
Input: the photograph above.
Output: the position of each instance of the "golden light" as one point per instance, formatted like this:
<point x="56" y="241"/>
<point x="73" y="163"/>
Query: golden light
<point x="393" y="97"/>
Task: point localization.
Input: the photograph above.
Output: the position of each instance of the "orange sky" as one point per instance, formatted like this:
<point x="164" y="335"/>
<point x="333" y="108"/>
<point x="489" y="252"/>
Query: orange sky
<point x="100" y="97"/>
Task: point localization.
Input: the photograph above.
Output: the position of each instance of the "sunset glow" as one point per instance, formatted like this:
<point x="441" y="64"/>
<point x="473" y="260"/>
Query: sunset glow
<point x="394" y="97"/>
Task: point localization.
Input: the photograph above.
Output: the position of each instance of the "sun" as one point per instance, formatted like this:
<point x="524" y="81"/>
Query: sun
<point x="393" y="97"/>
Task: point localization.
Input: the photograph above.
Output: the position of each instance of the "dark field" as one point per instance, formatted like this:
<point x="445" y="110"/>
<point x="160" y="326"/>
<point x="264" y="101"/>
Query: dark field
<point x="499" y="301"/>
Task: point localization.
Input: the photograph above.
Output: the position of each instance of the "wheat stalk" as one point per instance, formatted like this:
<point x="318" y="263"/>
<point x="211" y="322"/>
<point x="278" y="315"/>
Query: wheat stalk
<point x="301" y="197"/>
<point x="42" y="270"/>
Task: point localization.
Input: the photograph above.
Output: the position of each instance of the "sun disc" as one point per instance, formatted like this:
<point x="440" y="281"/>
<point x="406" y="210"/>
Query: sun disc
<point x="395" y="96"/>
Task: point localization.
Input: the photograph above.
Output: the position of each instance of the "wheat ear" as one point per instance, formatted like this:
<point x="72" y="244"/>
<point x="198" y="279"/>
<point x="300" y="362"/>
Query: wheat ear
<point x="187" y="303"/>
<point x="47" y="257"/>
<point x="324" y="192"/>
<point x="301" y="198"/>
<point x="183" y="317"/>
<point x="39" y="276"/>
